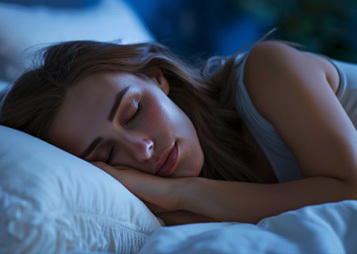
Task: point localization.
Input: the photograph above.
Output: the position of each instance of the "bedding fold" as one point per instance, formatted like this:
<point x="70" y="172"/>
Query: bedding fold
<point x="327" y="229"/>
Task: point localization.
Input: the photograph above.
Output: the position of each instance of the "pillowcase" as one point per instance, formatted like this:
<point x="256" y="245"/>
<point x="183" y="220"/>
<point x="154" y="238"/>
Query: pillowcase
<point x="25" y="29"/>
<point x="52" y="201"/>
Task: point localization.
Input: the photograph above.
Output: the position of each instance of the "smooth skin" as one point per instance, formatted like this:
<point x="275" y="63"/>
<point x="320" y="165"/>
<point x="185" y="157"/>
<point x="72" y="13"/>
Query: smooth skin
<point x="139" y="132"/>
<point x="295" y="92"/>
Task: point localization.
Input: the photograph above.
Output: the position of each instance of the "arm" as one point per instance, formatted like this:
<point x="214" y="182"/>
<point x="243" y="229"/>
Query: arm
<point x="294" y="92"/>
<point x="212" y="200"/>
<point x="250" y="202"/>
<point x="157" y="194"/>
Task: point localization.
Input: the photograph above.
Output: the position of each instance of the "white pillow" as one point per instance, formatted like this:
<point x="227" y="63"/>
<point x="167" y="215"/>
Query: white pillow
<point x="23" y="27"/>
<point x="52" y="201"/>
<point x="3" y="85"/>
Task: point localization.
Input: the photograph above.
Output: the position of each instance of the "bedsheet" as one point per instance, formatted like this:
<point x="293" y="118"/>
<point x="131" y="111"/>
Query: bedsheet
<point x="327" y="228"/>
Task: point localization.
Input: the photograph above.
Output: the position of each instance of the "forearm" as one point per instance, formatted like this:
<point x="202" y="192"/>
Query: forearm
<point x="250" y="202"/>
<point x="232" y="201"/>
<point x="157" y="192"/>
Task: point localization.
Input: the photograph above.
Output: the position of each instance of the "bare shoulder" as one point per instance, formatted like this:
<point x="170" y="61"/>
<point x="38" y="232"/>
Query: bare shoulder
<point x="268" y="49"/>
<point x="273" y="59"/>
<point x="275" y="70"/>
<point x="268" y="56"/>
<point x="268" y="67"/>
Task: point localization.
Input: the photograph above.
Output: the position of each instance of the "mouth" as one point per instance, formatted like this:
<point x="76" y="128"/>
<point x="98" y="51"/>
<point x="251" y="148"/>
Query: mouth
<point x="168" y="162"/>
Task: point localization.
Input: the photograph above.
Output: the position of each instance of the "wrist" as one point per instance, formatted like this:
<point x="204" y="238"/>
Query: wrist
<point x="183" y="191"/>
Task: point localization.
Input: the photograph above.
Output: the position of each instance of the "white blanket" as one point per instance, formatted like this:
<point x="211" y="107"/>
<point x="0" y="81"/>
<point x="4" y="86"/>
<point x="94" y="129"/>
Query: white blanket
<point x="328" y="228"/>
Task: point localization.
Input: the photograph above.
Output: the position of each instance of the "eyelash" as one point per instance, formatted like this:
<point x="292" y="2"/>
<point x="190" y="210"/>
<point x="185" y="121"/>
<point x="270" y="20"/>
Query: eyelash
<point x="138" y="110"/>
<point x="113" y="148"/>
<point x="111" y="153"/>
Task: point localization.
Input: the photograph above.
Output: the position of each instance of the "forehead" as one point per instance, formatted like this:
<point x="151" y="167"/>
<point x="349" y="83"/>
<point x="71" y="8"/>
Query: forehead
<point x="95" y="85"/>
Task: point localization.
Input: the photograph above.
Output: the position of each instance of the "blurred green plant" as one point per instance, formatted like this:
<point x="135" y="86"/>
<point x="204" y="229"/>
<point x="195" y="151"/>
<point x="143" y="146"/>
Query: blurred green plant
<point x="323" y="26"/>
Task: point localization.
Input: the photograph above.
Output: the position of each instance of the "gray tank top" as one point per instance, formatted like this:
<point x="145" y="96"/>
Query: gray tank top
<point x="280" y="157"/>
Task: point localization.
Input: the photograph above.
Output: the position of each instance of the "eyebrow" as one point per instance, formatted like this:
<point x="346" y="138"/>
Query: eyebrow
<point x="117" y="102"/>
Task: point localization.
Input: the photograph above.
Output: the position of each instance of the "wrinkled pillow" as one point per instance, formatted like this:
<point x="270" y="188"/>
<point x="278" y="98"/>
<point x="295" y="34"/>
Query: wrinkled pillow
<point x="52" y="201"/>
<point x="25" y="29"/>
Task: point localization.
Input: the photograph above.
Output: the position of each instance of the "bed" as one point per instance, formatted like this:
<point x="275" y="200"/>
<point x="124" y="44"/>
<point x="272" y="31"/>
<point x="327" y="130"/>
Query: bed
<point x="53" y="202"/>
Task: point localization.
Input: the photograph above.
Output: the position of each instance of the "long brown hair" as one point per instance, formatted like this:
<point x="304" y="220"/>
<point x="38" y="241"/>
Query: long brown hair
<point x="207" y="99"/>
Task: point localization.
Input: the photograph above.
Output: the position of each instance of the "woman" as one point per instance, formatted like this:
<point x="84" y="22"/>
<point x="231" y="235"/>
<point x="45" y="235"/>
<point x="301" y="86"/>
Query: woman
<point x="267" y="131"/>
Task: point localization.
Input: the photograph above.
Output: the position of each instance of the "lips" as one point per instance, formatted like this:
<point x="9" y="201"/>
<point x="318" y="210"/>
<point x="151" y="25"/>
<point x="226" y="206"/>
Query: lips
<point x="168" y="162"/>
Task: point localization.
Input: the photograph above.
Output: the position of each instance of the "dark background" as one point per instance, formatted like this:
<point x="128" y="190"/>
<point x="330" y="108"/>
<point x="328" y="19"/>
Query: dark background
<point x="198" y="28"/>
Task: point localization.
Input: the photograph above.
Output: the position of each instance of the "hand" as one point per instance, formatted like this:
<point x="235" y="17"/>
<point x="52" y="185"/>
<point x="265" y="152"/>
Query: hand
<point x="125" y="175"/>
<point x="159" y="193"/>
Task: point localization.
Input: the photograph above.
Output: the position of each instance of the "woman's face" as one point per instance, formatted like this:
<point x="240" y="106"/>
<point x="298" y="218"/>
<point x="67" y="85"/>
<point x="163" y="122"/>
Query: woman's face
<point x="128" y="120"/>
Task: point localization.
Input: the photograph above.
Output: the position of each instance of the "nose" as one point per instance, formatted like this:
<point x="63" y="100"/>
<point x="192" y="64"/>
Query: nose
<point x="139" y="146"/>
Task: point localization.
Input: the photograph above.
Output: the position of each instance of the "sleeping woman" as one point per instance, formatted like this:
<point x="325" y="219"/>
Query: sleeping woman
<point x="244" y="138"/>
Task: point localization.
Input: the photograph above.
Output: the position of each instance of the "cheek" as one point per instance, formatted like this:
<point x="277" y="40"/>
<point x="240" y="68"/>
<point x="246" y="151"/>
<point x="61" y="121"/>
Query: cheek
<point x="162" y="116"/>
<point x="154" y="123"/>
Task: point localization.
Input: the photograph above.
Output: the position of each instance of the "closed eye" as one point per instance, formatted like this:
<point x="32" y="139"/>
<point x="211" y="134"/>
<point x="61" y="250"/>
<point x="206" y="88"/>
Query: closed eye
<point x="137" y="112"/>
<point x="111" y="155"/>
